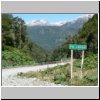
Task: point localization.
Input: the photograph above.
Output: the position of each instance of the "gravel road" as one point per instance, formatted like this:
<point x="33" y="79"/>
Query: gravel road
<point x="9" y="77"/>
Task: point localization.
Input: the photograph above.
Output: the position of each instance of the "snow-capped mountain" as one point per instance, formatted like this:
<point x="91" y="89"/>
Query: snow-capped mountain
<point x="37" y="22"/>
<point x="83" y="17"/>
<point x="50" y="35"/>
<point x="43" y="22"/>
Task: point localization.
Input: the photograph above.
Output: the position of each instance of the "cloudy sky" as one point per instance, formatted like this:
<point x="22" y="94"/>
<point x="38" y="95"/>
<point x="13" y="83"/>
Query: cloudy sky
<point x="54" y="19"/>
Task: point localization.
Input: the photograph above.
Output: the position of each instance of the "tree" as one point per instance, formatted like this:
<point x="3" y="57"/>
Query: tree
<point x="20" y="31"/>
<point x="87" y="35"/>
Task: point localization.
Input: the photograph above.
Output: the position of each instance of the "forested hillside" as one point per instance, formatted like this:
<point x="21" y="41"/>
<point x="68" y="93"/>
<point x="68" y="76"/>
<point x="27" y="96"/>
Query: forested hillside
<point x="17" y="49"/>
<point x="87" y="35"/>
<point x="50" y="37"/>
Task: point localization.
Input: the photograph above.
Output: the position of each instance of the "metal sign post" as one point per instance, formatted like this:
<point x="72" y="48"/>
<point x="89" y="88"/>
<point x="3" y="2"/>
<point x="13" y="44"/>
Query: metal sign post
<point x="71" y="64"/>
<point x="77" y="47"/>
<point x="82" y="63"/>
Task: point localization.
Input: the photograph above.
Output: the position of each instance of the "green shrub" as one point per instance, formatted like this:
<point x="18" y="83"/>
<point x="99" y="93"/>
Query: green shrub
<point x="91" y="78"/>
<point x="77" y="63"/>
<point x="60" y="78"/>
<point x="89" y="62"/>
<point x="63" y="76"/>
<point x="15" y="58"/>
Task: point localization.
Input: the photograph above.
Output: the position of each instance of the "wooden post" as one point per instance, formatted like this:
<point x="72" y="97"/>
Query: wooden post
<point x="47" y="65"/>
<point x="71" y="64"/>
<point x="82" y="63"/>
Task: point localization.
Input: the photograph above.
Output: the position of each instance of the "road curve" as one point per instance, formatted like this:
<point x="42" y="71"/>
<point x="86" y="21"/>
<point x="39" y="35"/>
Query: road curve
<point x="9" y="77"/>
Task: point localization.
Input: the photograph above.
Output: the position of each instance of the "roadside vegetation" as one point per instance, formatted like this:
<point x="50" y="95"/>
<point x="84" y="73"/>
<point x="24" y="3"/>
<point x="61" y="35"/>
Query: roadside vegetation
<point x="17" y="48"/>
<point x="88" y="35"/>
<point x="16" y="57"/>
<point x="61" y="73"/>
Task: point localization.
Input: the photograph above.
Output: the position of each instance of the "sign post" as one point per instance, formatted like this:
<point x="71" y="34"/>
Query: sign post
<point x="77" y="47"/>
<point x="82" y="63"/>
<point x="71" y="64"/>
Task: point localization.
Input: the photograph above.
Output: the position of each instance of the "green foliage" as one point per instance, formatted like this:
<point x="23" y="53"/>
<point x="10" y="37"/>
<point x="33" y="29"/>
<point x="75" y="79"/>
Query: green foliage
<point x="89" y="62"/>
<point x="91" y="78"/>
<point x="6" y="22"/>
<point x="15" y="39"/>
<point x="13" y="31"/>
<point x="36" y="52"/>
<point x="49" y="37"/>
<point x="61" y="78"/>
<point x="15" y="58"/>
<point x="77" y="63"/>
<point x="87" y="35"/>
<point x="61" y="75"/>
<point x="14" y="35"/>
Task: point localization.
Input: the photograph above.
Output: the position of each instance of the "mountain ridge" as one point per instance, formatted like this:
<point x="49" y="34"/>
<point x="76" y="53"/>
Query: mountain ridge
<point x="49" y="37"/>
<point x="44" y="22"/>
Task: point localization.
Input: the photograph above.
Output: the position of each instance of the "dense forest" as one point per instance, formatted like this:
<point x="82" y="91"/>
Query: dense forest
<point x="18" y="49"/>
<point x="87" y="35"/>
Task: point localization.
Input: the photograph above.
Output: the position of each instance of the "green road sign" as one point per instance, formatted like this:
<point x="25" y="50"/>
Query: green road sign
<point x="77" y="47"/>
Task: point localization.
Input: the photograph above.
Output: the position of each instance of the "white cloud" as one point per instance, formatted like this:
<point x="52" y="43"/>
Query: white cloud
<point x="85" y="17"/>
<point x="57" y="23"/>
<point x="37" y="22"/>
<point x="43" y="22"/>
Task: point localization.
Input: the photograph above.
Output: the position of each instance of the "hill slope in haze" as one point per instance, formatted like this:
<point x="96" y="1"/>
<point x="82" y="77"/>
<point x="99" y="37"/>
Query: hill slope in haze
<point x="88" y="35"/>
<point x="49" y="37"/>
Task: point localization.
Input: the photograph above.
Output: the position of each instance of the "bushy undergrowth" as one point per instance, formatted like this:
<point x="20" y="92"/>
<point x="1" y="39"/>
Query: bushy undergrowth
<point x="62" y="75"/>
<point x="15" y="58"/>
<point x="89" y="62"/>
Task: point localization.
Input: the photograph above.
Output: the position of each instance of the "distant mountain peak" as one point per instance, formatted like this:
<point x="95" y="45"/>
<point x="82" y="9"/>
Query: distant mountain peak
<point x="43" y="22"/>
<point x="50" y="35"/>
<point x="85" y="17"/>
<point x="37" y="22"/>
